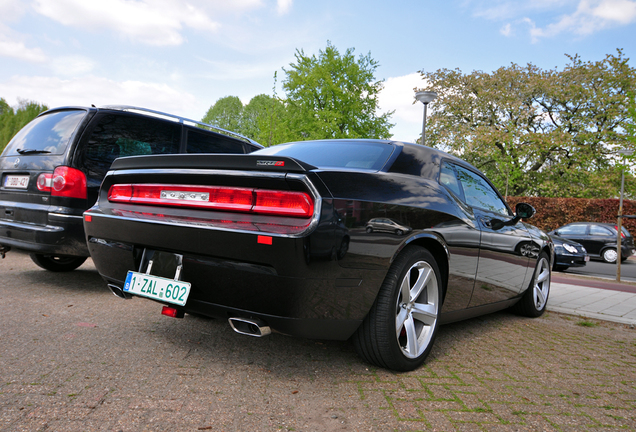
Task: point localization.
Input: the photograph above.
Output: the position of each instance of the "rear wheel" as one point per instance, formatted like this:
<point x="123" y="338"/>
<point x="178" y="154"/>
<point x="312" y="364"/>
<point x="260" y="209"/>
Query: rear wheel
<point x="535" y="299"/>
<point x="57" y="263"/>
<point x="400" y="329"/>
<point x="610" y="255"/>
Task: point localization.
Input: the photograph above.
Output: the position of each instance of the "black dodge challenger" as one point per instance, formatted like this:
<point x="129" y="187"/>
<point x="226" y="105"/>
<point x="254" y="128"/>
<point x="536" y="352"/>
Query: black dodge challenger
<point x="277" y="240"/>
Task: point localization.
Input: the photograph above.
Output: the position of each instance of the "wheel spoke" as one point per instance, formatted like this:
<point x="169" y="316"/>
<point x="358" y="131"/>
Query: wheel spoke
<point x="425" y="313"/>
<point x="405" y="289"/>
<point x="423" y="277"/>
<point x="402" y="316"/>
<point x="412" y="344"/>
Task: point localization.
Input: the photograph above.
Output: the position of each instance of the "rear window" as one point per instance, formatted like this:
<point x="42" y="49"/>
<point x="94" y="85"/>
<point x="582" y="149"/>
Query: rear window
<point x="334" y="154"/>
<point x="49" y="133"/>
<point x="122" y="135"/>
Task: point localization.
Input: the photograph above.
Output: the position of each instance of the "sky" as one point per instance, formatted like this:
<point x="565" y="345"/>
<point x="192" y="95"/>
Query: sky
<point x="181" y="56"/>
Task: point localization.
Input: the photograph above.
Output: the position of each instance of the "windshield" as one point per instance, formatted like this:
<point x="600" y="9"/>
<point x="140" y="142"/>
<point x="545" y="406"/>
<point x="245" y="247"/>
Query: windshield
<point x="49" y="133"/>
<point x="335" y="154"/>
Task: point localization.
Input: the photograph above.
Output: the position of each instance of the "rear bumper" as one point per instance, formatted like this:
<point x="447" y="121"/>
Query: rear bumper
<point x="63" y="235"/>
<point x="233" y="275"/>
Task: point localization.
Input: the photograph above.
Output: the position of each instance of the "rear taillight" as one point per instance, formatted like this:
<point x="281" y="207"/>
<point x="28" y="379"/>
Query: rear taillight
<point x="622" y="233"/>
<point x="67" y="182"/>
<point x="261" y="201"/>
<point x="45" y="182"/>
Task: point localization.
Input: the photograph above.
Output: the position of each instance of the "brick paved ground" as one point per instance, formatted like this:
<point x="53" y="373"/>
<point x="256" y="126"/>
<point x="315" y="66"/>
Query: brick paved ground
<point x="75" y="358"/>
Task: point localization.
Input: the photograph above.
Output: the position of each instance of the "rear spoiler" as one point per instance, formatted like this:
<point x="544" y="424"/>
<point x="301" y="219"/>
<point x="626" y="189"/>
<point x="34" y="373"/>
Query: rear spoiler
<point x="246" y="162"/>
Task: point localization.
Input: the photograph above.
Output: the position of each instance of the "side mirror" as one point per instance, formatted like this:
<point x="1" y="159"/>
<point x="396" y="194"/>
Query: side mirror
<point x="524" y="211"/>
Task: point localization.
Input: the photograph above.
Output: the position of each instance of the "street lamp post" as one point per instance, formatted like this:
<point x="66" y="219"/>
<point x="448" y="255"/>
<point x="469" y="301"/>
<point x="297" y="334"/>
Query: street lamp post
<point x="619" y="234"/>
<point x="425" y="97"/>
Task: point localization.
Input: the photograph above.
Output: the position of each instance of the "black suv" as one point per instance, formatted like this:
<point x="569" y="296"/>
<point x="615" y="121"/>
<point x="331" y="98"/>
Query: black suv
<point x="599" y="239"/>
<point x="52" y="169"/>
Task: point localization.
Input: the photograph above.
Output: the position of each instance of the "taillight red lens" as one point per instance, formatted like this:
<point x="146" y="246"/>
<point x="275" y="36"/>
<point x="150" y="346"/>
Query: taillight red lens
<point x="262" y="201"/>
<point x="68" y="182"/>
<point x="622" y="233"/>
<point x="283" y="203"/>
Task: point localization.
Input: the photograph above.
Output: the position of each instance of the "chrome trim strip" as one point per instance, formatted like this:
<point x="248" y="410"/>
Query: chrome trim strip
<point x="66" y="216"/>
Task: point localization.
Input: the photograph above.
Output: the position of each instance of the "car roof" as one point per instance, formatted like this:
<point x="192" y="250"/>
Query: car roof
<point x="156" y="114"/>
<point x="421" y="152"/>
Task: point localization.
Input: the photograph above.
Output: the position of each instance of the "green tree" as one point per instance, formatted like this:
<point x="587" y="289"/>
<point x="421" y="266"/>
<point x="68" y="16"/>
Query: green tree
<point x="538" y="132"/>
<point x="11" y="121"/>
<point x="265" y="120"/>
<point x="333" y="95"/>
<point x="226" y="113"/>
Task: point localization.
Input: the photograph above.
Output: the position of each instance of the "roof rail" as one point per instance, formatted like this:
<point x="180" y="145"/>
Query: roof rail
<point x="181" y="120"/>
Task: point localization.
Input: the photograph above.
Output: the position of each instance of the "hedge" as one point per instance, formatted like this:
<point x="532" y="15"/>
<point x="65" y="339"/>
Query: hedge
<point x="555" y="212"/>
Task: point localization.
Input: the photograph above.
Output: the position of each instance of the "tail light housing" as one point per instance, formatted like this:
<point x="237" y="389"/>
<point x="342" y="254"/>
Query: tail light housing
<point x="45" y="182"/>
<point x="247" y="200"/>
<point x="64" y="182"/>
<point x="622" y="233"/>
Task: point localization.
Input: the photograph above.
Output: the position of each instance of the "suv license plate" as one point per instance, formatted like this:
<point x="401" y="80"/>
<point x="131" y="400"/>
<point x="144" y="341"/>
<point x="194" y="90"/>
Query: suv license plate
<point x="157" y="288"/>
<point x="16" y="181"/>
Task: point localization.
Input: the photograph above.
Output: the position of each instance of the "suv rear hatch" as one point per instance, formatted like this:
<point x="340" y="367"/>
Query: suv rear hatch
<point x="27" y="168"/>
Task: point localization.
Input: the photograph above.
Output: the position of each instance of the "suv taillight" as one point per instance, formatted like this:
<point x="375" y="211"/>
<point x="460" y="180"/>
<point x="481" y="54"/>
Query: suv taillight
<point x="45" y="182"/>
<point x="67" y="182"/>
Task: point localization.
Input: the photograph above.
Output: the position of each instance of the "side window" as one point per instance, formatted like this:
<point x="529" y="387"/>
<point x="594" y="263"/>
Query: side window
<point x="599" y="230"/>
<point x="479" y="193"/>
<point x="202" y="142"/>
<point x="573" y="230"/>
<point x="122" y="135"/>
<point x="447" y="178"/>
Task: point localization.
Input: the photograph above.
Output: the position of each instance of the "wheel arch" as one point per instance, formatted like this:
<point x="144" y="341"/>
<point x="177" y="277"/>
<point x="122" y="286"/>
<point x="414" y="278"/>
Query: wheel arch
<point x="437" y="247"/>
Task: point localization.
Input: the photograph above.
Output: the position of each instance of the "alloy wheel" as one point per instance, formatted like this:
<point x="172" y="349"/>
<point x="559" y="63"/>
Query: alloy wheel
<point x="417" y="309"/>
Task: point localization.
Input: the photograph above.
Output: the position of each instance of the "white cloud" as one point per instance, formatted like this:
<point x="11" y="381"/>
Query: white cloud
<point x="17" y="49"/>
<point x="11" y="9"/>
<point x="72" y="65"/>
<point x="100" y="91"/>
<point x="590" y="17"/>
<point x="158" y="22"/>
<point x="506" y="30"/>
<point x="284" y="6"/>
<point x="399" y="94"/>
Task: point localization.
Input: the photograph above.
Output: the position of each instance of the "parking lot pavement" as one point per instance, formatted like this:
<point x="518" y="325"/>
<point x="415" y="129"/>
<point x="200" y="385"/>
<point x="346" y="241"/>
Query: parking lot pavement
<point x="76" y="358"/>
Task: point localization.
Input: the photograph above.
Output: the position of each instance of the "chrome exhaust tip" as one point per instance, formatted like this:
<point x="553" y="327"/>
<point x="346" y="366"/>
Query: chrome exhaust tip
<point x="119" y="292"/>
<point x="250" y="327"/>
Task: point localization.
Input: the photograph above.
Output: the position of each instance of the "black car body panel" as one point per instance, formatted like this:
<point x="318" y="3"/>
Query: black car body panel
<point x="88" y="140"/>
<point x="316" y="276"/>
<point x="568" y="253"/>
<point x="598" y="239"/>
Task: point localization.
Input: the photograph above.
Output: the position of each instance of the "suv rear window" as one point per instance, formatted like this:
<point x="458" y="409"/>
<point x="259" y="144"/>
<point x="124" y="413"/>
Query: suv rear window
<point x="122" y="135"/>
<point x="49" y="133"/>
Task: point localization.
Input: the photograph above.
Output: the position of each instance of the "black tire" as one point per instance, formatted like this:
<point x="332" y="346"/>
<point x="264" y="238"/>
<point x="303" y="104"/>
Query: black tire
<point x="609" y="255"/>
<point x="399" y="232"/>
<point x="535" y="299"/>
<point x="369" y="229"/>
<point x="398" y="333"/>
<point x="57" y="263"/>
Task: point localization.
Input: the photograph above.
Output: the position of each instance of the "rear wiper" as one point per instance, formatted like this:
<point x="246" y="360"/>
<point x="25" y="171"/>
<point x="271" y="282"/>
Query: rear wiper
<point x="31" y="151"/>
